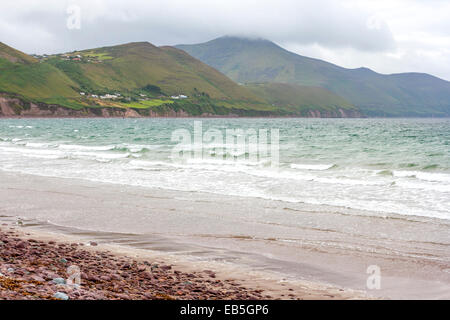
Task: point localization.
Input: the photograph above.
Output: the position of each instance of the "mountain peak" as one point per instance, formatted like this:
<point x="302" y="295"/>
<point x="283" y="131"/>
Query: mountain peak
<point x="235" y="41"/>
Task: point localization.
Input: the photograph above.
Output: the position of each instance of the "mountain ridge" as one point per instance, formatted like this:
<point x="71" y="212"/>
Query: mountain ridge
<point x="271" y="82"/>
<point x="138" y="75"/>
<point x="376" y="94"/>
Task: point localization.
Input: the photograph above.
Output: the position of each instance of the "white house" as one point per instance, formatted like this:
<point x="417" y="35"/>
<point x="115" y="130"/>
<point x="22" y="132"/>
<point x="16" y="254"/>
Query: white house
<point x="181" y="96"/>
<point x="109" y="96"/>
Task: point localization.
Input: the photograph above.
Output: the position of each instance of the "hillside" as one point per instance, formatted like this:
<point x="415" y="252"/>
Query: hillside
<point x="137" y="65"/>
<point x="134" y="75"/>
<point x="299" y="98"/>
<point x="11" y="55"/>
<point x="258" y="61"/>
<point x="23" y="76"/>
<point x="146" y="78"/>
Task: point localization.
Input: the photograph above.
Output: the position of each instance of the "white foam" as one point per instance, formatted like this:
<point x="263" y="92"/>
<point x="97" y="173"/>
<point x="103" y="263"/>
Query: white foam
<point x="148" y="163"/>
<point x="424" y="186"/>
<point x="428" y="176"/>
<point x="76" y="147"/>
<point x="34" y="153"/>
<point x="319" y="167"/>
<point x="224" y="162"/>
<point x="37" y="145"/>
<point x="99" y="155"/>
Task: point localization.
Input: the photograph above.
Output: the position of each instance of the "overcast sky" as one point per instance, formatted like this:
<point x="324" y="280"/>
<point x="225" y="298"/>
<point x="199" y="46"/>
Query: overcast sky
<point x="388" y="36"/>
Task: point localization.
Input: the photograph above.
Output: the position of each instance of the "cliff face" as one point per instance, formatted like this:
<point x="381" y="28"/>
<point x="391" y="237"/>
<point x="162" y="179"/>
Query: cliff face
<point x="16" y="108"/>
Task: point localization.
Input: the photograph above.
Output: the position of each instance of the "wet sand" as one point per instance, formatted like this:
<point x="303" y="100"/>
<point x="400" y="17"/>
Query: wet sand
<point x="315" y="251"/>
<point x="39" y="265"/>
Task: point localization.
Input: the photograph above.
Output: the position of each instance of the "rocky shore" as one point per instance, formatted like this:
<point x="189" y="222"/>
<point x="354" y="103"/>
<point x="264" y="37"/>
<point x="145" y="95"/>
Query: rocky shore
<point x="34" y="269"/>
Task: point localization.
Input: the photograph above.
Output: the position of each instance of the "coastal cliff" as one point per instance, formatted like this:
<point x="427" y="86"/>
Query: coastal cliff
<point x="16" y="108"/>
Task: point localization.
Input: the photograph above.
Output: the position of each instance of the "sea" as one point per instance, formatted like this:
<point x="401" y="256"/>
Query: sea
<point x="399" y="166"/>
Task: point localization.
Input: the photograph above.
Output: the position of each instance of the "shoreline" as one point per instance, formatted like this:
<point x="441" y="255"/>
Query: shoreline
<point x="238" y="241"/>
<point x="216" y="116"/>
<point x="35" y="265"/>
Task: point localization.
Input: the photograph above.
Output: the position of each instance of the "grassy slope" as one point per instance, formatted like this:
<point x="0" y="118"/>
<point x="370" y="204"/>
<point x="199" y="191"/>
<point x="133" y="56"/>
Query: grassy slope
<point x="299" y="98"/>
<point x="24" y="76"/>
<point x="129" y="68"/>
<point x="136" y="65"/>
<point x="224" y="86"/>
<point x="126" y="68"/>
<point x="246" y="61"/>
<point x="14" y="56"/>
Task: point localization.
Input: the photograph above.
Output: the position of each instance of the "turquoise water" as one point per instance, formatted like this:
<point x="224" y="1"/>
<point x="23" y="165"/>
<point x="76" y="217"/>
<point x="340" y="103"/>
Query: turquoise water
<point x="399" y="166"/>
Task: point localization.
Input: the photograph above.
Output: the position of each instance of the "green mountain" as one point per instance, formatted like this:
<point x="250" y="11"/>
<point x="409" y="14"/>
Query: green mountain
<point x="259" y="61"/>
<point x="136" y="65"/>
<point x="146" y="78"/>
<point x="132" y="71"/>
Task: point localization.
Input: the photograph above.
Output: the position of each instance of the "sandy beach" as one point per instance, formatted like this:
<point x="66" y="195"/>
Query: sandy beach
<point x="137" y="223"/>
<point x="39" y="265"/>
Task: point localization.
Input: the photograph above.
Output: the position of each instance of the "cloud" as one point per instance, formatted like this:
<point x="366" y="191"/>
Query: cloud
<point x="389" y="36"/>
<point x="170" y="22"/>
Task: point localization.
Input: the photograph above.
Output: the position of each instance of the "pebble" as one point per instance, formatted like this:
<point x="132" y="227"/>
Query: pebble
<point x="59" y="281"/>
<point x="61" y="296"/>
<point x="104" y="276"/>
<point x="37" y="278"/>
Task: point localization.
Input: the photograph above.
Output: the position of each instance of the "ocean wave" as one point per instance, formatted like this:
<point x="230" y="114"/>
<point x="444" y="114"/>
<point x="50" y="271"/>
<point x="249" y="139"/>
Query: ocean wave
<point x="424" y="186"/>
<point x="39" y="145"/>
<point x="384" y="172"/>
<point x="35" y="153"/>
<point x="100" y="155"/>
<point x="427" y="176"/>
<point x="319" y="167"/>
<point x="226" y="162"/>
<point x="255" y="169"/>
<point x="75" y="147"/>
<point x="137" y="148"/>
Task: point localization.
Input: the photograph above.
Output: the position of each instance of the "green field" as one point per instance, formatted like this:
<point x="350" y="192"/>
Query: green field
<point x="145" y="104"/>
<point x="95" y="55"/>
